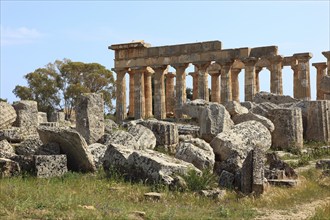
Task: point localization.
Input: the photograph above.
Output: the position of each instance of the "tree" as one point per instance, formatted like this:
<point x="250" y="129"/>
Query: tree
<point x="189" y="93"/>
<point x="58" y="85"/>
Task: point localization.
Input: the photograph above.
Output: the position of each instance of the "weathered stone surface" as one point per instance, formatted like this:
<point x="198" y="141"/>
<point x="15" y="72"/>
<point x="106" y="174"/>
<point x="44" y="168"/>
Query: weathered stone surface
<point x="7" y="115"/>
<point x="12" y="134"/>
<point x="50" y="165"/>
<point x="57" y="117"/>
<point x="235" y="108"/>
<point x="323" y="164"/>
<point x="153" y="195"/>
<point x="288" y="131"/>
<point x="273" y="98"/>
<point x="254" y="117"/>
<point x="145" y="165"/>
<point x="188" y="129"/>
<point x="287" y="183"/>
<point x="42" y="117"/>
<point x="29" y="146"/>
<point x="264" y="108"/>
<point x="120" y="137"/>
<point x="143" y="136"/>
<point x="276" y="164"/>
<point x="213" y="193"/>
<point x="247" y="104"/>
<point x="26" y="163"/>
<point x="325" y="84"/>
<point x="226" y="179"/>
<point x="27" y="116"/>
<point x="318" y="121"/>
<point x="194" y="108"/>
<point x="8" y="168"/>
<point x="232" y="146"/>
<point x="49" y="124"/>
<point x="97" y="150"/>
<point x="195" y="151"/>
<point x="90" y="117"/>
<point x="6" y="150"/>
<point x="49" y="149"/>
<point x="214" y="120"/>
<point x="166" y="133"/>
<point x="72" y="144"/>
<point x="109" y="125"/>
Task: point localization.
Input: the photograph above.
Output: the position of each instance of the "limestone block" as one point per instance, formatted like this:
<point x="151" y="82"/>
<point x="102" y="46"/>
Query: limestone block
<point x="7" y="115"/>
<point x="57" y="117"/>
<point x="26" y="163"/>
<point x="288" y="131"/>
<point x="109" y="125"/>
<point x="27" y="116"/>
<point x="194" y="108"/>
<point x="226" y="179"/>
<point x="72" y="144"/>
<point x="8" y="168"/>
<point x="273" y="98"/>
<point x="12" y="134"/>
<point x="90" y="117"/>
<point x="213" y="193"/>
<point x="318" y="121"/>
<point x="122" y="138"/>
<point x="254" y="117"/>
<point x="195" y="151"/>
<point x="47" y="166"/>
<point x="188" y="129"/>
<point x="6" y="150"/>
<point x="145" y="165"/>
<point x="235" y="108"/>
<point x="97" y="150"/>
<point x="42" y="117"/>
<point x="263" y="109"/>
<point x="325" y="84"/>
<point x="29" y="146"/>
<point x="143" y="136"/>
<point x="279" y="169"/>
<point x="233" y="146"/>
<point x="166" y="133"/>
<point x="214" y="120"/>
<point x="247" y="104"/>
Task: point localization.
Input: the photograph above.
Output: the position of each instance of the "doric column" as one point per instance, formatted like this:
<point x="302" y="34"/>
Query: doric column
<point x="203" y="89"/>
<point x="303" y="75"/>
<point x="139" y="97"/>
<point x="321" y="71"/>
<point x="120" y="95"/>
<point x="215" y="86"/>
<point x="250" y="84"/>
<point x="180" y="88"/>
<point x="296" y="86"/>
<point x="258" y="69"/>
<point x="275" y="69"/>
<point x="131" y="95"/>
<point x="170" y="95"/>
<point x="327" y="55"/>
<point x="148" y="92"/>
<point x="235" y="83"/>
<point x="194" y="75"/>
<point x="226" y="91"/>
<point x="159" y="92"/>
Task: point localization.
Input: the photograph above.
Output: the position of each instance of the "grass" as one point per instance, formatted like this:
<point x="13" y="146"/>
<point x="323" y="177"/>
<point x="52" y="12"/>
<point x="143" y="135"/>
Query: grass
<point x="322" y="213"/>
<point x="94" y="196"/>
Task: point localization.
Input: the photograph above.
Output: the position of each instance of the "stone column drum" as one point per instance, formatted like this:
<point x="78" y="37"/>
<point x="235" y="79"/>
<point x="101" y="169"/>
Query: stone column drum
<point x="148" y="93"/>
<point x="235" y="83"/>
<point x="226" y="91"/>
<point x="131" y="95"/>
<point x="275" y="68"/>
<point x="327" y="55"/>
<point x="139" y="98"/>
<point x="170" y="94"/>
<point x="120" y="95"/>
<point x="303" y="75"/>
<point x="250" y="85"/>
<point x="90" y="116"/>
<point x="180" y="89"/>
<point x="195" y="84"/>
<point x="27" y="116"/>
<point x="159" y="108"/>
<point x="258" y="70"/>
<point x="215" y="86"/>
<point x="321" y="71"/>
<point x="203" y="89"/>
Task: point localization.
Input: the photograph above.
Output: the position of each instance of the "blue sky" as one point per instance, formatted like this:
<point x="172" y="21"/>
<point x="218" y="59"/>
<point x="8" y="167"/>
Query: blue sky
<point x="34" y="33"/>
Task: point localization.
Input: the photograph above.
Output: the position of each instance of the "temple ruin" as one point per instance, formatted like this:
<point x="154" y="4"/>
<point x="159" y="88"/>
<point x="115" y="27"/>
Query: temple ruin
<point x="141" y="61"/>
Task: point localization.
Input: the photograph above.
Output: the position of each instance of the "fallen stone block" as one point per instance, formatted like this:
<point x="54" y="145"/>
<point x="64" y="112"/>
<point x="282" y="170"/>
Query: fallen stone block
<point x="143" y="136"/>
<point x="213" y="193"/>
<point x="226" y="179"/>
<point x="98" y="151"/>
<point x="273" y="98"/>
<point x="13" y="135"/>
<point x="42" y="117"/>
<point x="120" y="137"/>
<point x="27" y="116"/>
<point x="254" y="117"/>
<point x="6" y="150"/>
<point x="7" y="116"/>
<point x="8" y="168"/>
<point x="29" y="146"/>
<point x="50" y="165"/>
<point x="287" y="183"/>
<point x="235" y="108"/>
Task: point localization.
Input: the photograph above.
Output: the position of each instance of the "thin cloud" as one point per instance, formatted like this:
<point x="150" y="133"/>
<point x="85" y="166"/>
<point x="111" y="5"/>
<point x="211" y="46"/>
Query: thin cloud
<point x="21" y="35"/>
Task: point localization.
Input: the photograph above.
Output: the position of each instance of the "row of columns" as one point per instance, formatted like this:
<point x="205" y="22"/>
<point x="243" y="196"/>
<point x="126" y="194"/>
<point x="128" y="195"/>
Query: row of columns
<point x="321" y="70"/>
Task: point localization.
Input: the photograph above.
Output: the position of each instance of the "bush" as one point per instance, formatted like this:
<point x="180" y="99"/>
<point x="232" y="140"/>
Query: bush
<point x="196" y="181"/>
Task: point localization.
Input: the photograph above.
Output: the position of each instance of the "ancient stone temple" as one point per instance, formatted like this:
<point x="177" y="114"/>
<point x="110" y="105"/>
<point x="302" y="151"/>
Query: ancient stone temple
<point x="145" y="64"/>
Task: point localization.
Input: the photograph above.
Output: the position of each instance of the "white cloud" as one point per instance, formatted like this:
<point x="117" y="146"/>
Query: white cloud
<point x="21" y="35"/>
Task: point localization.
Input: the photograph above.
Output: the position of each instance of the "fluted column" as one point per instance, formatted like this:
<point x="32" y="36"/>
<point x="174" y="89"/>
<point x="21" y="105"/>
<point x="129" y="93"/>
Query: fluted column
<point x="249" y="79"/>
<point x="296" y="85"/>
<point x="321" y="71"/>
<point x="170" y="94"/>
<point x="226" y="91"/>
<point x="258" y="69"/>
<point x="131" y="95"/>
<point x="148" y="92"/>
<point x="275" y="68"/>
<point x="194" y="75"/>
<point x="120" y="95"/>
<point x="159" y="93"/>
<point x="235" y="83"/>
<point x="180" y="88"/>
<point x="139" y="97"/>
<point x="215" y="86"/>
<point x="203" y="89"/>
<point x="327" y="55"/>
<point x="303" y="74"/>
